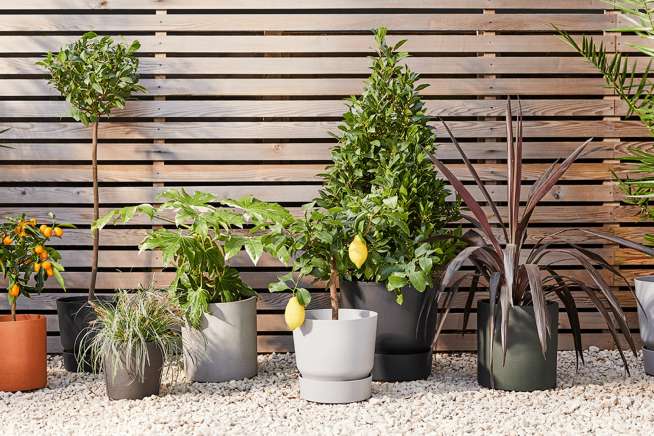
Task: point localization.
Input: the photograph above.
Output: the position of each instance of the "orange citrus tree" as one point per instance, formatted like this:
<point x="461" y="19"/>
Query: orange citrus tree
<point x="26" y="262"/>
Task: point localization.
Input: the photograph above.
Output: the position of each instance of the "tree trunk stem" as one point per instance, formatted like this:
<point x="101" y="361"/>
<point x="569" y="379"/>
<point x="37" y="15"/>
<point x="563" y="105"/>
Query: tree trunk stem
<point x="13" y="310"/>
<point x="96" y="210"/>
<point x="333" y="286"/>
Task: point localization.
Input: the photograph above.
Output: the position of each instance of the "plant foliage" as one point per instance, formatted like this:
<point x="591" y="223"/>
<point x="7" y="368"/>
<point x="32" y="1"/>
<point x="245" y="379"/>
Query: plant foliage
<point x="200" y="240"/>
<point x="382" y="185"/>
<point x="517" y="279"/>
<point x="124" y="328"/>
<point x="630" y="78"/>
<point x="95" y="75"/>
<point x="26" y="260"/>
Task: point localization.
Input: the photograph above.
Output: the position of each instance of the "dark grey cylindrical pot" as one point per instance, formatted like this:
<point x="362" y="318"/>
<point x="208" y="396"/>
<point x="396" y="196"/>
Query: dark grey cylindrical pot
<point x="225" y="346"/>
<point x="403" y="348"/>
<point x="124" y="384"/>
<point x="75" y="315"/>
<point x="526" y="368"/>
<point x="645" y="296"/>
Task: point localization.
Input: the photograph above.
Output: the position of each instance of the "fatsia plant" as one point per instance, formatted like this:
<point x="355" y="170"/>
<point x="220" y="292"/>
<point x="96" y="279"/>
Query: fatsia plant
<point x="515" y="278"/>
<point x="95" y="75"/>
<point x="200" y="241"/>
<point x="630" y="78"/>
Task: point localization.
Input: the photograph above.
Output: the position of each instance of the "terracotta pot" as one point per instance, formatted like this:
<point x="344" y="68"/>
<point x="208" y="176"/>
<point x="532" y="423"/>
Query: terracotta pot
<point x="22" y="353"/>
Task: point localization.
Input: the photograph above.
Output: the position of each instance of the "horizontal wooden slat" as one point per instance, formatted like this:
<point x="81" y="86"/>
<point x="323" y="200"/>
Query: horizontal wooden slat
<point x="312" y="43"/>
<point x="306" y="4"/>
<point x="304" y="22"/>
<point x="333" y="65"/>
<point x="328" y="87"/>
<point x="313" y="108"/>
<point x="291" y="151"/>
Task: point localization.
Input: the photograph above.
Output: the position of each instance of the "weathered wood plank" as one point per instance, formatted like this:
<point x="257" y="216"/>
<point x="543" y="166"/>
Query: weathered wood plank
<point x="329" y="87"/>
<point x="307" y="4"/>
<point x="304" y="22"/>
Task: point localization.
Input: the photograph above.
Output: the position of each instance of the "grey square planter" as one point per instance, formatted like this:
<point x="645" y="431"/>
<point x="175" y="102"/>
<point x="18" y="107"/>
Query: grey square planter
<point x="225" y="346"/>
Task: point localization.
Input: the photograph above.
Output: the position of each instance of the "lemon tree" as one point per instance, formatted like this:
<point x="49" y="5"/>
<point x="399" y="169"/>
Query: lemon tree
<point x="386" y="198"/>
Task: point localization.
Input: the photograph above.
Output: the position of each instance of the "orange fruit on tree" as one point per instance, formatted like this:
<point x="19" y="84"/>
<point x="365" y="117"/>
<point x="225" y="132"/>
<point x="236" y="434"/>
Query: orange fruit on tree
<point x="37" y="267"/>
<point x="39" y="249"/>
<point x="7" y="240"/>
<point x="14" y="290"/>
<point x="47" y="232"/>
<point x="49" y="272"/>
<point x="46" y="265"/>
<point x="58" y="231"/>
<point x="42" y="228"/>
<point x="44" y="255"/>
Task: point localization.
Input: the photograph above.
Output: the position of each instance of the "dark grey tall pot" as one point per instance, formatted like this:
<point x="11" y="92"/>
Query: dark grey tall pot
<point x="526" y="368"/>
<point x="403" y="348"/>
<point x="225" y="346"/>
<point x="645" y="295"/>
<point x="123" y="384"/>
<point x="75" y="315"/>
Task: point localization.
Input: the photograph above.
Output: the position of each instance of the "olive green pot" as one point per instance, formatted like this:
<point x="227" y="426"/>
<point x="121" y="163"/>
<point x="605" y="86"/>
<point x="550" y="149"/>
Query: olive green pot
<point x="526" y="369"/>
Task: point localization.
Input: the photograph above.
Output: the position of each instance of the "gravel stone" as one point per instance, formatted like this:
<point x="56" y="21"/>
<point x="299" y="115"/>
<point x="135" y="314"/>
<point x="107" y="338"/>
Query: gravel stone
<point x="599" y="399"/>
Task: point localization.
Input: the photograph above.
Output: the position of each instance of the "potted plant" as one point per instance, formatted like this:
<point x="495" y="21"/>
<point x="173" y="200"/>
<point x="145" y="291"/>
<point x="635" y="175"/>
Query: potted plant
<point x="629" y="78"/>
<point x="26" y="263"/>
<point x="334" y="348"/>
<point x="517" y="327"/>
<point x="95" y="75"/>
<point x="220" y="335"/>
<point x="394" y="213"/>
<point x="133" y="340"/>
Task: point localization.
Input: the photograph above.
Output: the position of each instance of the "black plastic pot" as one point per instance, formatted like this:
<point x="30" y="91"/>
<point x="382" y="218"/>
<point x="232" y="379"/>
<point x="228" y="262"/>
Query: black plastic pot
<point x="526" y="368"/>
<point x="125" y="385"/>
<point x="75" y="315"/>
<point x="403" y="349"/>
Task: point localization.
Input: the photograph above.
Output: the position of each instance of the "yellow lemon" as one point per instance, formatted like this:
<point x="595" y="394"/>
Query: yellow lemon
<point x="358" y="251"/>
<point x="294" y="314"/>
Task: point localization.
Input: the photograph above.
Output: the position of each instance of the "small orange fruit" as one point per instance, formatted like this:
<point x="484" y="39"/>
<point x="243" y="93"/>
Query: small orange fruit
<point x="44" y="255"/>
<point x="42" y="228"/>
<point x="7" y="240"/>
<point x="49" y="272"/>
<point x="59" y="232"/>
<point x="47" y="232"/>
<point x="37" y="267"/>
<point x="46" y="265"/>
<point x="39" y="249"/>
<point x="14" y="290"/>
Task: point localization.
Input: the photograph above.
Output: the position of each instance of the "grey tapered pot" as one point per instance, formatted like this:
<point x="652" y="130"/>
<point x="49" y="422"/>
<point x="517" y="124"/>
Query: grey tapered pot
<point x="403" y="348"/>
<point x="335" y="357"/>
<point x="123" y="383"/>
<point x="225" y="346"/>
<point x="526" y="368"/>
<point x="645" y="296"/>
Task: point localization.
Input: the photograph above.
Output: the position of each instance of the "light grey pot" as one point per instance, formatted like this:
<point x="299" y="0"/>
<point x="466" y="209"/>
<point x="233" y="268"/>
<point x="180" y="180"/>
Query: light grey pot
<point x="645" y="296"/>
<point x="225" y="346"/>
<point x="335" y="357"/>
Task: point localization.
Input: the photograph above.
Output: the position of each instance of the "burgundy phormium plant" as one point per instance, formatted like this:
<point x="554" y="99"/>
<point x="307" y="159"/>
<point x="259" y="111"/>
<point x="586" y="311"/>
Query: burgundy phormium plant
<point x="531" y="279"/>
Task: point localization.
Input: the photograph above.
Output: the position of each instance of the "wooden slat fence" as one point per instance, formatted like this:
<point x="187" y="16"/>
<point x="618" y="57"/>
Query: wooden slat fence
<point x="241" y="97"/>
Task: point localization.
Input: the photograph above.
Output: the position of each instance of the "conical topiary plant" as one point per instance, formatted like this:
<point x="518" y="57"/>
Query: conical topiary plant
<point x="382" y="182"/>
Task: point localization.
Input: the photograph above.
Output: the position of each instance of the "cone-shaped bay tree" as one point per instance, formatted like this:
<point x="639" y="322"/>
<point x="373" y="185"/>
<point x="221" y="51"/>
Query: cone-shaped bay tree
<point x="96" y="75"/>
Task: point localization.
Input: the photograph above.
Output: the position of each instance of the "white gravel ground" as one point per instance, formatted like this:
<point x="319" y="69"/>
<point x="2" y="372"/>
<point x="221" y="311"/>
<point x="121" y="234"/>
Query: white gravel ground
<point x="598" y="399"/>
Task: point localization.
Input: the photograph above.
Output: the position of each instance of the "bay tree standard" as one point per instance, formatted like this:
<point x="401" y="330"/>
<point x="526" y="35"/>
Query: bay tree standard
<point x="95" y="75"/>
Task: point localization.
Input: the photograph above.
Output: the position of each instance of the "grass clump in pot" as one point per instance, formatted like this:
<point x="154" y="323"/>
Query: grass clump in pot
<point x="125" y="332"/>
